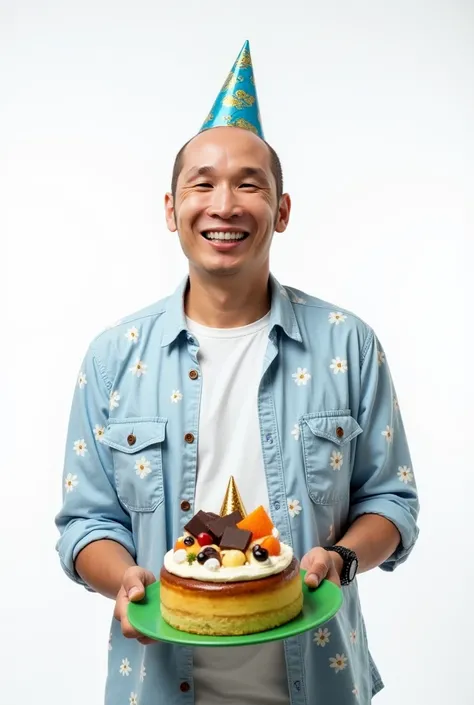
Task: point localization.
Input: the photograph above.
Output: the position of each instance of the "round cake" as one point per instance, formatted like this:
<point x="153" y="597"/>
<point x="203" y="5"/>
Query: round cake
<point x="230" y="575"/>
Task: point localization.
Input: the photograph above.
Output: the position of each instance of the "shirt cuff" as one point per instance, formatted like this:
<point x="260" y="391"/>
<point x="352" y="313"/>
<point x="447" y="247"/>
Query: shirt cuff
<point x="400" y="517"/>
<point x="75" y="539"/>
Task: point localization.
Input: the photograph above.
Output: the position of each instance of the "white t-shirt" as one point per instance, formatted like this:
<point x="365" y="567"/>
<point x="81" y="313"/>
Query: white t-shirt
<point x="231" y="361"/>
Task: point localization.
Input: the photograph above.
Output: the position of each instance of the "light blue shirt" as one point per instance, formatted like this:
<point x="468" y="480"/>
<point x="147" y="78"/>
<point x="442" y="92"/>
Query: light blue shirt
<point x="324" y="369"/>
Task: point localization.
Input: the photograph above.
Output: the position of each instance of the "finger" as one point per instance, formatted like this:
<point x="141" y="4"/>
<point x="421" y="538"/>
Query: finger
<point x="145" y="640"/>
<point x="133" y="585"/>
<point x="316" y="572"/>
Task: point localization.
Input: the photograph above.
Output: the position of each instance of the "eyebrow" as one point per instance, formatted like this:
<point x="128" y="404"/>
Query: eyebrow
<point x="256" y="172"/>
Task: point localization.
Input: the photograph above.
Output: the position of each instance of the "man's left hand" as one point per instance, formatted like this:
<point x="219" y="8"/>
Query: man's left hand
<point x="321" y="564"/>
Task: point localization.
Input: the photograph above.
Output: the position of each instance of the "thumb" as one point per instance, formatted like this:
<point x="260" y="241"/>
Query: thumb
<point x="135" y="582"/>
<point x="316" y="566"/>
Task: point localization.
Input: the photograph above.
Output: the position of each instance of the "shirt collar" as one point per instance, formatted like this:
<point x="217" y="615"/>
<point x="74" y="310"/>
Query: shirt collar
<point x="282" y="314"/>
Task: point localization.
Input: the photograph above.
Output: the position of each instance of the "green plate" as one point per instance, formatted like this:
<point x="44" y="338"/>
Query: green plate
<point x="319" y="606"/>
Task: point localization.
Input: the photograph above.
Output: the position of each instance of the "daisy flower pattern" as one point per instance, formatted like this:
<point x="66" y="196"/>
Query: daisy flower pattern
<point x="337" y="365"/>
<point x="142" y="467"/>
<point x="138" y="369"/>
<point x="114" y="400"/>
<point x="99" y="432"/>
<point x="337" y="460"/>
<point x="336" y="317"/>
<point x="125" y="668"/>
<point x="355" y="691"/>
<point x="81" y="380"/>
<point x="296" y="432"/>
<point x="142" y="672"/>
<point x="80" y="447"/>
<point x="388" y="433"/>
<point x="294" y="507"/>
<point x="301" y="376"/>
<point x="176" y="396"/>
<point x="132" y="335"/>
<point x="353" y="636"/>
<point x="405" y="474"/>
<point x="70" y="482"/>
<point x="331" y="533"/>
<point x="380" y="357"/>
<point x="133" y="699"/>
<point x="338" y="662"/>
<point x="321" y="637"/>
<point x="396" y="405"/>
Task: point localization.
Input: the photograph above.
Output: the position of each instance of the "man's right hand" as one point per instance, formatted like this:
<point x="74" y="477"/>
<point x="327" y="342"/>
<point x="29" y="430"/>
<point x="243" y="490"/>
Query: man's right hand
<point x="135" y="580"/>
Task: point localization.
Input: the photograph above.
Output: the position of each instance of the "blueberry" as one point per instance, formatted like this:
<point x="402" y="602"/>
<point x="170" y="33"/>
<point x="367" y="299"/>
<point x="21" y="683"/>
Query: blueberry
<point x="260" y="554"/>
<point x="208" y="552"/>
<point x="189" y="541"/>
<point x="201" y="558"/>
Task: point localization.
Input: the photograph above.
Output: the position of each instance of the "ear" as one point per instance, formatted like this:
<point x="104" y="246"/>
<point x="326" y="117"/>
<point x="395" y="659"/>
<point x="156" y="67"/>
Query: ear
<point x="283" y="215"/>
<point x="169" y="213"/>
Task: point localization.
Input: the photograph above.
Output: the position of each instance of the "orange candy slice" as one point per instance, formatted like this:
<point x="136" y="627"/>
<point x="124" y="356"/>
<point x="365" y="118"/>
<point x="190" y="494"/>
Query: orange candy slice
<point x="180" y="544"/>
<point x="258" y="522"/>
<point x="272" y="545"/>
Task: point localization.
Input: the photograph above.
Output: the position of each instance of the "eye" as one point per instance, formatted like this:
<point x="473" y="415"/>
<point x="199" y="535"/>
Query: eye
<point x="248" y="185"/>
<point x="204" y="185"/>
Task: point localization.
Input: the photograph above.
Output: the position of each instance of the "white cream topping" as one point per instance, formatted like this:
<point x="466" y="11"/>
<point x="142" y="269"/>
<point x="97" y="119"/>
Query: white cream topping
<point x="249" y="571"/>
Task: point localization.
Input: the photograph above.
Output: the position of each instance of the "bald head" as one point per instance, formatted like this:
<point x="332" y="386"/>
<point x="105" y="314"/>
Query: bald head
<point x="218" y="138"/>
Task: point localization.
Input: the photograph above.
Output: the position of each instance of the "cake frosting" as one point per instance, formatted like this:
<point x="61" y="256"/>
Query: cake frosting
<point x="248" y="571"/>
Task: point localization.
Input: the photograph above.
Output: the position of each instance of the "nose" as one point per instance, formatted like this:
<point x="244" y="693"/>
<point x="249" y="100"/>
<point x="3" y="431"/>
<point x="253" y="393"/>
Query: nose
<point x="224" y="203"/>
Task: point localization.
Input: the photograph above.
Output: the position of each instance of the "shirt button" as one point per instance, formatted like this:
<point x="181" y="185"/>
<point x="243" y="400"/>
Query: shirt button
<point x="184" y="687"/>
<point x="193" y="374"/>
<point x="189" y="438"/>
<point x="185" y="506"/>
<point x="277" y="505"/>
<point x="131" y="439"/>
<point x="339" y="432"/>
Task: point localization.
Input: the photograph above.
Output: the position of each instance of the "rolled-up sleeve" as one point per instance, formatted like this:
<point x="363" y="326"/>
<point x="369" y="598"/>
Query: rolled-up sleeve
<point x="383" y="480"/>
<point x="90" y="507"/>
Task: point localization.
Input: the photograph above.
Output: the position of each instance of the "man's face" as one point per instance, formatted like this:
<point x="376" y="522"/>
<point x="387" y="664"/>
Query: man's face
<point x="226" y="208"/>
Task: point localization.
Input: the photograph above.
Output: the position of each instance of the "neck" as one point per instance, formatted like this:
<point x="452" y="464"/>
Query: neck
<point x="227" y="302"/>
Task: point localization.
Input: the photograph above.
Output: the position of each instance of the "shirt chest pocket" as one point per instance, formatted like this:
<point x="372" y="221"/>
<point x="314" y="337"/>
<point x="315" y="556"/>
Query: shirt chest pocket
<point x="327" y="440"/>
<point x="137" y="451"/>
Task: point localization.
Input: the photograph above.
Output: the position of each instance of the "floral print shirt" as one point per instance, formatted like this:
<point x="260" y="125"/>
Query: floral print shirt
<point x="334" y="448"/>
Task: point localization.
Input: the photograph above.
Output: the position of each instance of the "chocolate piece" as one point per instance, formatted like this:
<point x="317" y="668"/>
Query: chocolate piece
<point x="199" y="524"/>
<point x="233" y="537"/>
<point x="211" y="515"/>
<point x="218" y="526"/>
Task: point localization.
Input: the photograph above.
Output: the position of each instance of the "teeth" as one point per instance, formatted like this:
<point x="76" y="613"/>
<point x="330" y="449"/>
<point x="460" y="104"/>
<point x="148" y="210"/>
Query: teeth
<point x="219" y="235"/>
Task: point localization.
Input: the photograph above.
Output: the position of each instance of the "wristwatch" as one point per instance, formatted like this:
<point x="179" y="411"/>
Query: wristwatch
<point x="349" y="565"/>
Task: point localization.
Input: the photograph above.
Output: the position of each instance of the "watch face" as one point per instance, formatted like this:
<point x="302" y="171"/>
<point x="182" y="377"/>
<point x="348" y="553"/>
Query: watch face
<point x="352" y="570"/>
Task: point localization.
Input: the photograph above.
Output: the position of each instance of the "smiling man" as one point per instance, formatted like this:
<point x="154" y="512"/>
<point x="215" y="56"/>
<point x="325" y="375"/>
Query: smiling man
<point x="235" y="374"/>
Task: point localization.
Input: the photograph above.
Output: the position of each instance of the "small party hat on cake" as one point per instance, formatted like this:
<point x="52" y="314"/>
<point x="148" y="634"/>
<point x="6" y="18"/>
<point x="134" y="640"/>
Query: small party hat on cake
<point x="232" y="500"/>
<point x="236" y="104"/>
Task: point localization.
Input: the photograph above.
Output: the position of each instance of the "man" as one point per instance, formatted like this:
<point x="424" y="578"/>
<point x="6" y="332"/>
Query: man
<point x="235" y="374"/>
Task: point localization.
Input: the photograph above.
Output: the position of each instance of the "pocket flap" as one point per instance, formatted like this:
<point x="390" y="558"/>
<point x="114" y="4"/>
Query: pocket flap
<point x="132" y="435"/>
<point x="339" y="427"/>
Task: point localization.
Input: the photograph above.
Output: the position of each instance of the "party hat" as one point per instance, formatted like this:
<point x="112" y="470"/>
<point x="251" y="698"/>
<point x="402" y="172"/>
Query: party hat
<point x="232" y="500"/>
<point x="236" y="104"/>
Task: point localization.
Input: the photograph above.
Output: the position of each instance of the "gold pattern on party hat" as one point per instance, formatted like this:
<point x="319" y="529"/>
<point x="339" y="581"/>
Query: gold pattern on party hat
<point x="232" y="500"/>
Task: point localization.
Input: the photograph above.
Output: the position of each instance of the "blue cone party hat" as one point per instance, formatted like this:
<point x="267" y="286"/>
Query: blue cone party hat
<point x="236" y="104"/>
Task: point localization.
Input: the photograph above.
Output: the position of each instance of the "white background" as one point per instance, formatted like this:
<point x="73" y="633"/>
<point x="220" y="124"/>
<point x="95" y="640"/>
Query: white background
<point x="371" y="107"/>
